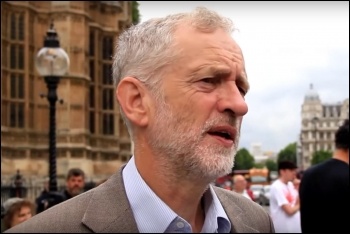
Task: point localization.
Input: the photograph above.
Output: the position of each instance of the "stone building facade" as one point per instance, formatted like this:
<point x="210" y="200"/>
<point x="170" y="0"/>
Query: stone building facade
<point x="90" y="132"/>
<point x="319" y="122"/>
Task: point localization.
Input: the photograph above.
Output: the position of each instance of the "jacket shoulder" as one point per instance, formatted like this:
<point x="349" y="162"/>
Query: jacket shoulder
<point x="239" y="200"/>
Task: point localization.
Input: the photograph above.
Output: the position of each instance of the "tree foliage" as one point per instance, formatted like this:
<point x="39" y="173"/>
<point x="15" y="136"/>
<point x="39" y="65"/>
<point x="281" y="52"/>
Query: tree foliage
<point x="243" y="160"/>
<point x="135" y="12"/>
<point x="320" y="156"/>
<point x="288" y="153"/>
<point x="259" y="165"/>
<point x="271" y="165"/>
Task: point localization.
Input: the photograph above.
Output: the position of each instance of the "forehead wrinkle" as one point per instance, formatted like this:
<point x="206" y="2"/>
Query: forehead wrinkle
<point x="242" y="78"/>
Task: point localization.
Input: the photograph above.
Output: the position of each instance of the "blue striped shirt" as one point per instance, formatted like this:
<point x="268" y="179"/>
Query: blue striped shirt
<point x="153" y="215"/>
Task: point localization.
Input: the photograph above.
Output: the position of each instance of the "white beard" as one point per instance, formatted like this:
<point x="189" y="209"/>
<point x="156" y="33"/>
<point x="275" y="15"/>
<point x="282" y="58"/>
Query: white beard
<point x="181" y="150"/>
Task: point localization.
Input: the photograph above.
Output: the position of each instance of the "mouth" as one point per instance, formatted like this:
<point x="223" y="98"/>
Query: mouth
<point x="224" y="134"/>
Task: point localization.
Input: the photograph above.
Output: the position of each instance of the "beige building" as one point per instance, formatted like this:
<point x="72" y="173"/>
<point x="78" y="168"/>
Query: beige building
<point x="90" y="132"/>
<point x="319" y="122"/>
<point x="259" y="155"/>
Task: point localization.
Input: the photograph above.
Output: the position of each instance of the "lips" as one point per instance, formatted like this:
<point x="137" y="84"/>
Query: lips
<point x="225" y="134"/>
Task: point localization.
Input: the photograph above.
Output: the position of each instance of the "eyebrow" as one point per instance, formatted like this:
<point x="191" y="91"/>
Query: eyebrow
<point x="222" y="70"/>
<point x="213" y="70"/>
<point x="243" y="79"/>
<point x="219" y="70"/>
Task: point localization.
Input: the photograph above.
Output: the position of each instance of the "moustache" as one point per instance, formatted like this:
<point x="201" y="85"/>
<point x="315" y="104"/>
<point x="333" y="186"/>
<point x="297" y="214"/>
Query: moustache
<point x="221" y="120"/>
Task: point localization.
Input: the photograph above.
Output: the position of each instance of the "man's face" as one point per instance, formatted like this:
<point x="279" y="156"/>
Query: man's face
<point x="290" y="174"/>
<point x="75" y="185"/>
<point x="21" y="216"/>
<point x="240" y="185"/>
<point x="196" y="126"/>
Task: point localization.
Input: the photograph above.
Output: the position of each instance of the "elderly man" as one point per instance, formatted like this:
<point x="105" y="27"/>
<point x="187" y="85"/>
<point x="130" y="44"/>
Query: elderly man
<point x="240" y="186"/>
<point x="180" y="83"/>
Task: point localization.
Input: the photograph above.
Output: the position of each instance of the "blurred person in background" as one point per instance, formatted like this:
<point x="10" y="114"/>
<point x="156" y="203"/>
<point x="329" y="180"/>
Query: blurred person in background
<point x="249" y="191"/>
<point x="296" y="183"/>
<point x="75" y="183"/>
<point x="16" y="210"/>
<point x="284" y="200"/>
<point x="324" y="190"/>
<point x="240" y="186"/>
<point x="41" y="199"/>
<point x="227" y="185"/>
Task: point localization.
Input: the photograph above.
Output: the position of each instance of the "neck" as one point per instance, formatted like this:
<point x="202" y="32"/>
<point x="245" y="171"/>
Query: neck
<point x="182" y="196"/>
<point x="342" y="155"/>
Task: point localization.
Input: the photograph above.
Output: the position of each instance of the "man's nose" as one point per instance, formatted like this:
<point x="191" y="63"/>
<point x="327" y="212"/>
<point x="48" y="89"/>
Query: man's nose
<point x="232" y="99"/>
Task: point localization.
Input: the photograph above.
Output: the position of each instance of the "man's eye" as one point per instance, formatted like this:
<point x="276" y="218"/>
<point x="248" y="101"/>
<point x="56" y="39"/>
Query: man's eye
<point x="242" y="91"/>
<point x="209" y="80"/>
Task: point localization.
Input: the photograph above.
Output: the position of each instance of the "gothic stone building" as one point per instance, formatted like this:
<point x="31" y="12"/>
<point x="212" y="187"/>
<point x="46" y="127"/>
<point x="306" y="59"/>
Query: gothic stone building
<point x="319" y="122"/>
<point x="90" y="132"/>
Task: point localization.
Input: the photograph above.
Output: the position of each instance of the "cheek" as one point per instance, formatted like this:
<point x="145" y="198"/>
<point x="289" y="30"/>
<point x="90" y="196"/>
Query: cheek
<point x="200" y="106"/>
<point x="17" y="219"/>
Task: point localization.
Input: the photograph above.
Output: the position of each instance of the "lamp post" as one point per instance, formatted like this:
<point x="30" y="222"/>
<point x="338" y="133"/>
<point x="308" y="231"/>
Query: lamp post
<point x="51" y="63"/>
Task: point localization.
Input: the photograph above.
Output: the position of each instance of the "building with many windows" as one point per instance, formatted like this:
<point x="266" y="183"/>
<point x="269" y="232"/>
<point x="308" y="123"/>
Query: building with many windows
<point x="319" y="122"/>
<point x="90" y="131"/>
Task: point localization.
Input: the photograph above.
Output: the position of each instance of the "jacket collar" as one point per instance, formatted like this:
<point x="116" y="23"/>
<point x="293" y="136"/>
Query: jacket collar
<point x="234" y="212"/>
<point x="109" y="210"/>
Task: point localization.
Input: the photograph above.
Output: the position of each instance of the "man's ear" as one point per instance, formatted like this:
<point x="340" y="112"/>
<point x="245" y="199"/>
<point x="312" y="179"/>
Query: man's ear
<point x="131" y="95"/>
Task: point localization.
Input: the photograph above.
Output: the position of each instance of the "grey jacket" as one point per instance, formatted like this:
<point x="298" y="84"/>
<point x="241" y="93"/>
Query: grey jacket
<point x="106" y="209"/>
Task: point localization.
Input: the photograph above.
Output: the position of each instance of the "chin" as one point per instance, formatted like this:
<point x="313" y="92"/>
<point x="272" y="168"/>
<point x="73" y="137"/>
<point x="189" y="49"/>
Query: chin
<point x="219" y="165"/>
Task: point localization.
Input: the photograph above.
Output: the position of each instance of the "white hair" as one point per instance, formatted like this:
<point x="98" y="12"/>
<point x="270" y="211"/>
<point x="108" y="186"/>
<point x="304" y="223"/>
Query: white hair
<point x="145" y="49"/>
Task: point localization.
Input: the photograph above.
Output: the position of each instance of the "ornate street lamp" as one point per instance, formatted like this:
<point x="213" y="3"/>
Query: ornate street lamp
<point x="51" y="63"/>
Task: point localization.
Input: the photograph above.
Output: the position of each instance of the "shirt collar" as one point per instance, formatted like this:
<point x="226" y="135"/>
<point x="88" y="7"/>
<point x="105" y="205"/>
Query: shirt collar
<point x="150" y="212"/>
<point x="153" y="215"/>
<point x="216" y="219"/>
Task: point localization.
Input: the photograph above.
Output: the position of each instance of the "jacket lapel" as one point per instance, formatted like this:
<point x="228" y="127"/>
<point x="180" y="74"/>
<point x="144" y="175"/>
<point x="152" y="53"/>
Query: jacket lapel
<point x="109" y="210"/>
<point x="234" y="213"/>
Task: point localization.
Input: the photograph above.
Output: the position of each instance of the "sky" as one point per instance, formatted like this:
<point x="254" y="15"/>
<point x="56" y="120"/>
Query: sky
<point x="286" y="46"/>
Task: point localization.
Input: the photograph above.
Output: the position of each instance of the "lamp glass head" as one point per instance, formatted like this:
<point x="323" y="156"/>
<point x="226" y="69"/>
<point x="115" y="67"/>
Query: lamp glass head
<point x="52" y="62"/>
